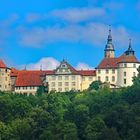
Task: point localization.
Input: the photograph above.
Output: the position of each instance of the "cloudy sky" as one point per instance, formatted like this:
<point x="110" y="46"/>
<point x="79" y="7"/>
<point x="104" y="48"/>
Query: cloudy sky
<point x="35" y="32"/>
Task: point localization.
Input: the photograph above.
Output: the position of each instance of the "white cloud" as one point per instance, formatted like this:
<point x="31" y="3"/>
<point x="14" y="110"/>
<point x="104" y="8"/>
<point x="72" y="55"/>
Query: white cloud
<point x="50" y="63"/>
<point x="92" y="33"/>
<point x="83" y="66"/>
<point x="78" y="14"/>
<point x="47" y="63"/>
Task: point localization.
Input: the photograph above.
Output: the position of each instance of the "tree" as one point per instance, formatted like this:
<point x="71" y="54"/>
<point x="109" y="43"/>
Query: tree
<point x="40" y="90"/>
<point x="95" y="85"/>
<point x="110" y="134"/>
<point x="94" y="129"/>
<point x="136" y="79"/>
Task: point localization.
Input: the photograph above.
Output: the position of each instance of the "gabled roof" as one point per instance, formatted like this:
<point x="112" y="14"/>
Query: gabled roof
<point x="2" y="65"/>
<point x="68" y="66"/>
<point x="113" y="62"/>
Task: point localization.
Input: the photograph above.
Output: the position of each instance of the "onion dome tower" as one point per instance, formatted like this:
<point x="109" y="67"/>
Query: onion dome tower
<point x="109" y="48"/>
<point x="130" y="51"/>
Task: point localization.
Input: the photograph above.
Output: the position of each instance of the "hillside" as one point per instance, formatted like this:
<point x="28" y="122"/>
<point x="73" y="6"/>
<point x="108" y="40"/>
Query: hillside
<point x="96" y="115"/>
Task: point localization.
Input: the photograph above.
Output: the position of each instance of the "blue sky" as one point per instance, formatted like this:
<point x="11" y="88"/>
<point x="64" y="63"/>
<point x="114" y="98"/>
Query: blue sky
<point x="35" y="32"/>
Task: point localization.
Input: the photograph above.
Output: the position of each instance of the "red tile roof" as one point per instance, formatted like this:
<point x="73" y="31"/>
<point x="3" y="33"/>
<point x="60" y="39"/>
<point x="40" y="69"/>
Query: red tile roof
<point x="28" y="78"/>
<point x="15" y="72"/>
<point x="87" y="72"/>
<point x="113" y="62"/>
<point x="2" y="65"/>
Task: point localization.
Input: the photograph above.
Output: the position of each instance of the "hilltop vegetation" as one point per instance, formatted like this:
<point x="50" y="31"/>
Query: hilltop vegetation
<point x="99" y="114"/>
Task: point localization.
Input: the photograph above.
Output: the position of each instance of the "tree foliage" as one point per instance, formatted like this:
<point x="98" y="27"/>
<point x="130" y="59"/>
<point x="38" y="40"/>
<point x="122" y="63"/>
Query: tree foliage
<point x="90" y="115"/>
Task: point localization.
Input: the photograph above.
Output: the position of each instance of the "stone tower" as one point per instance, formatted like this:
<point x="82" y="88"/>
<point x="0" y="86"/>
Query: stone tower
<point x="109" y="48"/>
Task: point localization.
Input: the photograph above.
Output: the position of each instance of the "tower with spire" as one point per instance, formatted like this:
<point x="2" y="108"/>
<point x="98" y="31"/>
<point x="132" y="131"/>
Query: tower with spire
<point x="109" y="48"/>
<point x="130" y="51"/>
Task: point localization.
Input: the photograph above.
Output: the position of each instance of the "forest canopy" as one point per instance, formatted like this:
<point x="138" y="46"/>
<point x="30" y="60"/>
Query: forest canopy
<point x="100" y="114"/>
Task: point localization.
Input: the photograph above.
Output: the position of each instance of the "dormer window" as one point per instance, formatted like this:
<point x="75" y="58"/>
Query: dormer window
<point x="125" y="65"/>
<point x="107" y="71"/>
<point x="134" y="65"/>
<point x="63" y="66"/>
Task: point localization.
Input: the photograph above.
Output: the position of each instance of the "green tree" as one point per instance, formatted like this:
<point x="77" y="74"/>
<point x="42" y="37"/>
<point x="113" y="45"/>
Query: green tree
<point x="95" y="85"/>
<point x="94" y="129"/>
<point x="136" y="79"/>
<point x="110" y="134"/>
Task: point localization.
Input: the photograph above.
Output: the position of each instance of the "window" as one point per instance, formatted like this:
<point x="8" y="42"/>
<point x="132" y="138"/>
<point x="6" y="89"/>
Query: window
<point x="60" y="84"/>
<point x="53" y="78"/>
<point x="124" y="74"/>
<point x="6" y="70"/>
<point x="134" y="74"/>
<point x="59" y="89"/>
<point x="83" y="78"/>
<point x="124" y="81"/>
<point x="90" y="78"/>
<point x="73" y="83"/>
<point x="66" y="70"/>
<point x="113" y="71"/>
<point x="66" y="77"/>
<point x="63" y="66"/>
<point x="99" y="71"/>
<point x="125" y="65"/>
<point x="134" y="65"/>
<point x="73" y="77"/>
<point x="59" y="77"/>
<point x="53" y="89"/>
<point x="66" y="84"/>
<point x="106" y="78"/>
<point x="66" y="89"/>
<point x="107" y="71"/>
<point x="99" y="78"/>
<point x="53" y="84"/>
<point x="113" y="78"/>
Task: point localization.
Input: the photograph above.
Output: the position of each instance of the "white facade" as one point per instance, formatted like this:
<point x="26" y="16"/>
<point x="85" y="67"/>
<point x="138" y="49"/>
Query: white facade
<point x="126" y="72"/>
<point x="107" y="75"/>
<point x="119" y="77"/>
<point x="26" y="90"/>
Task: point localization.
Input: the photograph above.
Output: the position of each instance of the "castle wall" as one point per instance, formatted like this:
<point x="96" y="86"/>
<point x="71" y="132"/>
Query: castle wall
<point x="107" y="75"/>
<point x="5" y="80"/>
<point x="26" y="90"/>
<point x="63" y="83"/>
<point x="126" y="72"/>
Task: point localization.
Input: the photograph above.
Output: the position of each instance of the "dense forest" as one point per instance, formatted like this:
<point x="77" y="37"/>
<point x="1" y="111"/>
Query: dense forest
<point x="95" y="114"/>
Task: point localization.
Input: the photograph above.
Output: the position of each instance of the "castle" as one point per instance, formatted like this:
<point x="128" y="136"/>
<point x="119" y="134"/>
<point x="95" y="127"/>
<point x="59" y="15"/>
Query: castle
<point x="116" y="71"/>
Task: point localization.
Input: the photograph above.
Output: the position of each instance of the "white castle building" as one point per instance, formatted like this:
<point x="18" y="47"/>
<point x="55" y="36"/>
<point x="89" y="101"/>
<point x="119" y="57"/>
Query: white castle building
<point x="116" y="71"/>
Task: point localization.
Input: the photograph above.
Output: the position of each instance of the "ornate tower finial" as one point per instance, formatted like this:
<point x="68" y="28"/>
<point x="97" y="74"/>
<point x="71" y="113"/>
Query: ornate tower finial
<point x="41" y="67"/>
<point x="130" y="43"/>
<point x="130" y="51"/>
<point x="25" y="67"/>
<point x="110" y="30"/>
<point x="109" y="48"/>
